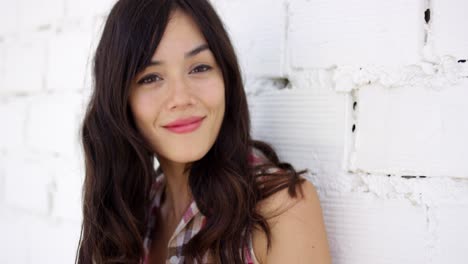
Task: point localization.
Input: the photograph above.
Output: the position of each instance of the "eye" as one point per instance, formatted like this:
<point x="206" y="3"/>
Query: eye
<point x="149" y="79"/>
<point x="201" y="68"/>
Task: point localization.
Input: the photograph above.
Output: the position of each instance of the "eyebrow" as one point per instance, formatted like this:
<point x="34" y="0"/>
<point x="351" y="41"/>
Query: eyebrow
<point x="189" y="54"/>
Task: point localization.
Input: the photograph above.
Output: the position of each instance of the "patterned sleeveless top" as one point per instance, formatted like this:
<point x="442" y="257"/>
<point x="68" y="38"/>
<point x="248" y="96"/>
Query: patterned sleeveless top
<point x="191" y="223"/>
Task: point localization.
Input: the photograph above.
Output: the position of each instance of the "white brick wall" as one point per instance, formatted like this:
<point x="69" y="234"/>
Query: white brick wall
<point x="73" y="39"/>
<point x="363" y="93"/>
<point x="37" y="15"/>
<point x="52" y="123"/>
<point x="358" y="32"/>
<point x="25" y="63"/>
<point x="13" y="118"/>
<point x="29" y="187"/>
<point x="449" y="17"/>
<point x="412" y="130"/>
<point x="86" y="9"/>
<point x="269" y="46"/>
<point x="10" y="16"/>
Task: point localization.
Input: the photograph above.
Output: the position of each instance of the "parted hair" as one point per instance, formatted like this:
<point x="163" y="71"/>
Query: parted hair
<point x="119" y="162"/>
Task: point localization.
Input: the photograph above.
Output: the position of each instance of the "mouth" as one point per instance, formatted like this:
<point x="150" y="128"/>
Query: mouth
<point x="186" y="125"/>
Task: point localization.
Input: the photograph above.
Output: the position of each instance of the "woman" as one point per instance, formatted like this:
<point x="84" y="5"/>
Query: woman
<point x="168" y="86"/>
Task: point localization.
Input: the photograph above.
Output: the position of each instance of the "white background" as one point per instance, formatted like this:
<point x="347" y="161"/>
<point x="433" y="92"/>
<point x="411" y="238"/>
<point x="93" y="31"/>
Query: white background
<point x="374" y="65"/>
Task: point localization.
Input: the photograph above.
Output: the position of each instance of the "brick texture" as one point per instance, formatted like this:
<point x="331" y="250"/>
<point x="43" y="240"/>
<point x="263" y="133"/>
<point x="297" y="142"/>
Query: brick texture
<point x="345" y="89"/>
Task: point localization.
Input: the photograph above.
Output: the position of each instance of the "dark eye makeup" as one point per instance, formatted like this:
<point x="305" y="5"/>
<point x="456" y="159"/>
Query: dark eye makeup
<point x="201" y="68"/>
<point x="150" y="78"/>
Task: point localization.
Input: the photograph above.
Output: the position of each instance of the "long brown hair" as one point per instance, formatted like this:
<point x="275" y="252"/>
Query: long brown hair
<point x="119" y="163"/>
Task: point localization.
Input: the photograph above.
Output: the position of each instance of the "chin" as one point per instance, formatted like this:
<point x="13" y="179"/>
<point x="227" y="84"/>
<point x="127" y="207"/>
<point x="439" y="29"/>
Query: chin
<point x="188" y="155"/>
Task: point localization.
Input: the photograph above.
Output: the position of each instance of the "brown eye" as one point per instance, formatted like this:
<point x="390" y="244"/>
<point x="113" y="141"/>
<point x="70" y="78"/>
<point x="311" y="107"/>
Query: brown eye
<point x="201" y="68"/>
<point x="149" y="79"/>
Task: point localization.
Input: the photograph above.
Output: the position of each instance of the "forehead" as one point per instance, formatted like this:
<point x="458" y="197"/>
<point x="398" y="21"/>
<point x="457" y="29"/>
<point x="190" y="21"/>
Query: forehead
<point x="181" y="35"/>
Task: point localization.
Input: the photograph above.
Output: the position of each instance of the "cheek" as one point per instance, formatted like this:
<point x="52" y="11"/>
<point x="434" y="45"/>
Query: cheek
<point x="221" y="97"/>
<point x="213" y="94"/>
<point x="144" y="108"/>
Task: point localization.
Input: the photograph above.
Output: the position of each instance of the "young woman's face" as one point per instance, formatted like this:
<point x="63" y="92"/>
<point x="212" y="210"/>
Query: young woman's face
<point x="183" y="83"/>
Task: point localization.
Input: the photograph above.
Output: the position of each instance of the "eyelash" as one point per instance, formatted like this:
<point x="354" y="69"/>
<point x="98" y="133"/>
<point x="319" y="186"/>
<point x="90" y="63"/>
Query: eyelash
<point x="151" y="78"/>
<point x="206" y="67"/>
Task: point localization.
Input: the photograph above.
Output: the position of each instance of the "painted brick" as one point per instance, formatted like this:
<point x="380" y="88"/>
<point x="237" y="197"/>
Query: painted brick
<point x="8" y="16"/>
<point x="369" y="219"/>
<point x="25" y="62"/>
<point x="260" y="42"/>
<point x="60" y="246"/>
<point x="451" y="233"/>
<point x="96" y="26"/>
<point x="33" y="239"/>
<point x="68" y="175"/>
<point x="302" y="124"/>
<point x="13" y="115"/>
<point x="15" y="237"/>
<point x="53" y="123"/>
<point x="28" y="183"/>
<point x="88" y="8"/>
<point x="2" y="178"/>
<point x="2" y="63"/>
<point x="401" y="135"/>
<point x="34" y="15"/>
<point x="325" y="33"/>
<point x="447" y="27"/>
<point x="362" y="229"/>
<point x="69" y="56"/>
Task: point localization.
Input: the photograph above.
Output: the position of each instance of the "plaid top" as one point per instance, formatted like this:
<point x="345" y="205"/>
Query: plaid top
<point x="191" y="223"/>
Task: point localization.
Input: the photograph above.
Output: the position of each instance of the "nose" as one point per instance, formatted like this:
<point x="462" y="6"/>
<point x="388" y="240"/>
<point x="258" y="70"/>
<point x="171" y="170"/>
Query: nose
<point x="180" y="94"/>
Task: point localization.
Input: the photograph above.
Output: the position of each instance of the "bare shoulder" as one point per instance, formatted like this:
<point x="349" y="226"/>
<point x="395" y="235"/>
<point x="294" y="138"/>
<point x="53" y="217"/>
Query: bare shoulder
<point x="297" y="228"/>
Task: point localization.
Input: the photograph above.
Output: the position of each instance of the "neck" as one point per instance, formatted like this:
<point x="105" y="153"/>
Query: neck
<point x="177" y="195"/>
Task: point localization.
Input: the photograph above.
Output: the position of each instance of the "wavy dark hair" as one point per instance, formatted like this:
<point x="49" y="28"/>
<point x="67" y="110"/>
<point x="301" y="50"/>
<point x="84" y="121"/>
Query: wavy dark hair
<point x="119" y="163"/>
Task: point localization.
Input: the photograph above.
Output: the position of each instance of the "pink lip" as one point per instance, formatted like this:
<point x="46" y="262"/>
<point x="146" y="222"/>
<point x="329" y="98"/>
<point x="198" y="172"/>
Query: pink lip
<point x="185" y="125"/>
